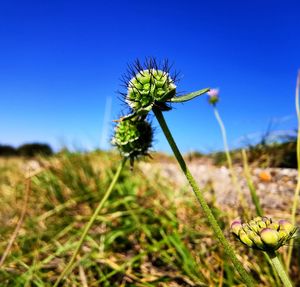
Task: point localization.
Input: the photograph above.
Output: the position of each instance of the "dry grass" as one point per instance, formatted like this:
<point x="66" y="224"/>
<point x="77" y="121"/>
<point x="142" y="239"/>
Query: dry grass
<point x="150" y="233"/>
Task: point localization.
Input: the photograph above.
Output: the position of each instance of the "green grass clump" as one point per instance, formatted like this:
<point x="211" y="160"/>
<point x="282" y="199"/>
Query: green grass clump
<point x="149" y="233"/>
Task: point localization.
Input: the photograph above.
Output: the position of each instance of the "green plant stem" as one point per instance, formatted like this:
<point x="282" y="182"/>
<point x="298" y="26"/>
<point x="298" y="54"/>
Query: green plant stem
<point x="268" y="259"/>
<point x="280" y="270"/>
<point x="88" y="226"/>
<point x="200" y="197"/>
<point x="254" y="197"/>
<point x="297" y="190"/>
<point x="229" y="160"/>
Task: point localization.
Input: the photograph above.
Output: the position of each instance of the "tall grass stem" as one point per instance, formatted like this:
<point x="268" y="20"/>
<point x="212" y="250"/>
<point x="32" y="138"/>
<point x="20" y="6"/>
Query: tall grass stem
<point x="229" y="160"/>
<point x="88" y="226"/>
<point x="200" y="197"/>
<point x="297" y="190"/>
<point x="254" y="197"/>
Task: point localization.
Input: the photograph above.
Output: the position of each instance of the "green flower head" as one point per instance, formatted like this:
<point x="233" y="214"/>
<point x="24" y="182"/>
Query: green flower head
<point x="133" y="138"/>
<point x="263" y="233"/>
<point x="149" y="84"/>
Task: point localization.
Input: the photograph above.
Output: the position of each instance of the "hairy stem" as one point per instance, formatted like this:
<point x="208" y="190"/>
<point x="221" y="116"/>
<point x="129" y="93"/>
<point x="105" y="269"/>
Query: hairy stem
<point x="88" y="226"/>
<point x="280" y="270"/>
<point x="297" y="190"/>
<point x="200" y="197"/>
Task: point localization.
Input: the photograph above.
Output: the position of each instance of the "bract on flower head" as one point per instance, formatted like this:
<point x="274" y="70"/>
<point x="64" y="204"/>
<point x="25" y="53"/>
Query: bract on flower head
<point x="263" y="233"/>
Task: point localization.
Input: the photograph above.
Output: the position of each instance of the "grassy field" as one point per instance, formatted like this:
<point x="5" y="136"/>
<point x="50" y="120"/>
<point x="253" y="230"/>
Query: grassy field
<point x="149" y="233"/>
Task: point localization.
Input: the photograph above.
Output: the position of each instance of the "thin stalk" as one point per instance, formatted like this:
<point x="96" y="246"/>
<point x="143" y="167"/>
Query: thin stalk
<point x="277" y="279"/>
<point x="200" y="197"/>
<point x="254" y="197"/>
<point x="229" y="160"/>
<point x="88" y="226"/>
<point x="297" y="190"/>
<point x="280" y="270"/>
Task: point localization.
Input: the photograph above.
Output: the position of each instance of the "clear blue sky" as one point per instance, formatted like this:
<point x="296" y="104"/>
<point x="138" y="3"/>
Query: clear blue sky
<point x="61" y="60"/>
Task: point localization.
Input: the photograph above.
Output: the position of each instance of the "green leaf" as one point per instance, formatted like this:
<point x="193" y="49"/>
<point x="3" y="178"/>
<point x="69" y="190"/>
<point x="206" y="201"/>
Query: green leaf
<point x="189" y="96"/>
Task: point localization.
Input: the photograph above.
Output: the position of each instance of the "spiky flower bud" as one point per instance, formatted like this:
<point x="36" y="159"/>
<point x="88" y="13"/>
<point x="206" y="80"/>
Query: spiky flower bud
<point x="133" y="138"/>
<point x="148" y="85"/>
<point x="263" y="233"/>
<point x="151" y="84"/>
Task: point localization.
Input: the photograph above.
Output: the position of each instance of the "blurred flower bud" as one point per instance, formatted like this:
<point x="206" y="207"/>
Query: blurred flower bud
<point x="149" y="85"/>
<point x="133" y="138"/>
<point x="213" y="96"/>
<point x="263" y="233"/>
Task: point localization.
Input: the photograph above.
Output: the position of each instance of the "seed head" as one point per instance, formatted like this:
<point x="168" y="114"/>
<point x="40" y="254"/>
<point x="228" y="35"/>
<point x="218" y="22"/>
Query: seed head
<point x="149" y="84"/>
<point x="133" y="138"/>
<point x="263" y="233"/>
